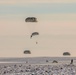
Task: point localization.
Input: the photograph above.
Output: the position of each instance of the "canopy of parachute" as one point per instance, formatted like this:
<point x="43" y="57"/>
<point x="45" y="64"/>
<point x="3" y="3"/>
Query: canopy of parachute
<point x="27" y="52"/>
<point x="34" y="34"/>
<point x="31" y="19"/>
<point x="54" y="61"/>
<point x="66" y="54"/>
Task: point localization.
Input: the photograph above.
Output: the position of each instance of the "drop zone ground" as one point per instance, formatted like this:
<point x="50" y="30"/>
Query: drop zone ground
<point x="38" y="66"/>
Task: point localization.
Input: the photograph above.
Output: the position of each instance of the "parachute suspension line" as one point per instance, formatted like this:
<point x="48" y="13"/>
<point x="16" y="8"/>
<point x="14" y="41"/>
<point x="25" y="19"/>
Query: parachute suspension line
<point x="31" y="27"/>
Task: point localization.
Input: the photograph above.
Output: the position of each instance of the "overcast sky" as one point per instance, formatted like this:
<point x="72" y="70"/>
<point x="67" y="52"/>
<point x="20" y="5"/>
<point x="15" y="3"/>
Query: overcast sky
<point x="56" y="25"/>
<point x="35" y="1"/>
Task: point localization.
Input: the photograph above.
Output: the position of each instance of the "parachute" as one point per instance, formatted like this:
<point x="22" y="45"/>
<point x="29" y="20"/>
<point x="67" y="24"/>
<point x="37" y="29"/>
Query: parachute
<point x="27" y="52"/>
<point x="54" y="61"/>
<point x="66" y="54"/>
<point x="34" y="34"/>
<point x="31" y="19"/>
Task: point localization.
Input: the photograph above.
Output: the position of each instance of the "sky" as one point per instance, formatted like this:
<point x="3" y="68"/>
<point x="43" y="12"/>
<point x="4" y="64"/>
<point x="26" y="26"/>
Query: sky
<point x="56" y="26"/>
